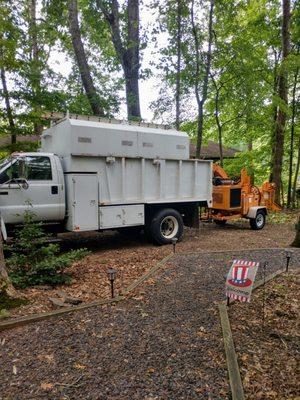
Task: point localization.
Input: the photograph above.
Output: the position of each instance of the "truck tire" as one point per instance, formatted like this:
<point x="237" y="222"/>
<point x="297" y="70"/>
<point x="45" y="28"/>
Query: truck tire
<point x="259" y="221"/>
<point x="166" y="225"/>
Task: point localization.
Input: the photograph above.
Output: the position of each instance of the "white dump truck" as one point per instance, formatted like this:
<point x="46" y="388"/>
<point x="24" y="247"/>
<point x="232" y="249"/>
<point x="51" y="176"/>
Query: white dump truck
<point x="100" y="175"/>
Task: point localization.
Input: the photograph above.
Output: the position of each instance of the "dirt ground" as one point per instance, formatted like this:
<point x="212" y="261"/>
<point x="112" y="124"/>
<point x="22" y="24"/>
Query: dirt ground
<point x="133" y="256"/>
<point x="163" y="343"/>
<point x="269" y="355"/>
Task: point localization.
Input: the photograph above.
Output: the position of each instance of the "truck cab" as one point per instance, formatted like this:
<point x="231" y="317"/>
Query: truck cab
<point x="31" y="181"/>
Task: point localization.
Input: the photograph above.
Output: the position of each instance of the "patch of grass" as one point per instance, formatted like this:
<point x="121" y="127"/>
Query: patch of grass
<point x="6" y="302"/>
<point x="282" y="217"/>
<point x="4" y="313"/>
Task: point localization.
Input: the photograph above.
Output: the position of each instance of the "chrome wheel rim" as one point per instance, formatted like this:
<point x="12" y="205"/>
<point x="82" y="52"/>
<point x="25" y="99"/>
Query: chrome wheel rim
<point x="259" y="220"/>
<point x="169" y="227"/>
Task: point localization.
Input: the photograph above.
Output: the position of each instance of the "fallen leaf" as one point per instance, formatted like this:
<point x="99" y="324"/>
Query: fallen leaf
<point x="46" y="386"/>
<point x="80" y="366"/>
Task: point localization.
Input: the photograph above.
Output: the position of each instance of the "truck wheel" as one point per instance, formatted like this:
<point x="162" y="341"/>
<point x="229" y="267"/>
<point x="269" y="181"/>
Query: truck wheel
<point x="166" y="225"/>
<point x="259" y="221"/>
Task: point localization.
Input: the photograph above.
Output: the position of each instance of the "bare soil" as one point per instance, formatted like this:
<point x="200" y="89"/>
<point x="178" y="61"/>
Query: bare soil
<point x="133" y="256"/>
<point x="269" y="354"/>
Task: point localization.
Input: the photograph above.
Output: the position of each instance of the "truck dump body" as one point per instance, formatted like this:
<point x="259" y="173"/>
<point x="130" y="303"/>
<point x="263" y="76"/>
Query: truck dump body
<point x="100" y="175"/>
<point x="134" y="164"/>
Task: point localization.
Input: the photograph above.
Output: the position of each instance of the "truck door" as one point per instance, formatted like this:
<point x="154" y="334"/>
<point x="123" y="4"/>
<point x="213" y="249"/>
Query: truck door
<point x="31" y="183"/>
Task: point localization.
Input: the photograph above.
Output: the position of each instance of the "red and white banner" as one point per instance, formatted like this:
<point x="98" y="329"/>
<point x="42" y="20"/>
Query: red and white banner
<point x="239" y="282"/>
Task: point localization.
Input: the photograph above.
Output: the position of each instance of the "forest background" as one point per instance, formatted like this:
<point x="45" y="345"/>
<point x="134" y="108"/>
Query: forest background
<point x="221" y="70"/>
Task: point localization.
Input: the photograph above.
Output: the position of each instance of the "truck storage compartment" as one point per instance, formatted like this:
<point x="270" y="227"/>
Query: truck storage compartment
<point x="121" y="216"/>
<point x="82" y="201"/>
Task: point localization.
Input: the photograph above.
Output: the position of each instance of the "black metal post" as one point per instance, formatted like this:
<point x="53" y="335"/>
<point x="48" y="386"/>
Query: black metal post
<point x="264" y="294"/>
<point x="174" y="242"/>
<point x="228" y="302"/>
<point x="112" y="288"/>
<point x="287" y="263"/>
<point x="288" y="254"/>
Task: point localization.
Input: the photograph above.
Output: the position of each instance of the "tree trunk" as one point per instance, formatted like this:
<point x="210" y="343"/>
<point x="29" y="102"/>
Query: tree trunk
<point x="178" y="64"/>
<point x="219" y="125"/>
<point x="36" y="73"/>
<point x="9" y="114"/>
<point x="296" y="242"/>
<point x="5" y="283"/>
<point x="275" y="110"/>
<point x="282" y="92"/>
<point x="289" y="196"/>
<point x="128" y="53"/>
<point x="296" y="176"/>
<point x="81" y="59"/>
<point x="201" y="95"/>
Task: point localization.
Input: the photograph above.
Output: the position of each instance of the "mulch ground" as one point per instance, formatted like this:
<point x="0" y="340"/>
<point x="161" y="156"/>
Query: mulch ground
<point x="162" y="343"/>
<point x="269" y="356"/>
<point x="133" y="256"/>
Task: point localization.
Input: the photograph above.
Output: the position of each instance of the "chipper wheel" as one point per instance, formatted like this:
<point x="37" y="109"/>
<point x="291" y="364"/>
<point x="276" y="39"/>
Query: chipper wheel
<point x="259" y="221"/>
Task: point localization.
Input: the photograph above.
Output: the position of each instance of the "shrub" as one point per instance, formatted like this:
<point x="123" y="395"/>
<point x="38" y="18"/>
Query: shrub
<point x="33" y="262"/>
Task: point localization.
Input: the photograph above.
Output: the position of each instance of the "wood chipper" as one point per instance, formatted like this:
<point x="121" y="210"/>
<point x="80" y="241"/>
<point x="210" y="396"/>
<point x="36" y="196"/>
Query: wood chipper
<point x="234" y="199"/>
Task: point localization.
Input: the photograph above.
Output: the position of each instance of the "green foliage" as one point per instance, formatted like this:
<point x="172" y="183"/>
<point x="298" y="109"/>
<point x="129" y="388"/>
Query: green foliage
<point x="34" y="262"/>
<point x="19" y="146"/>
<point x="4" y="313"/>
<point x="281" y="217"/>
<point x="7" y="303"/>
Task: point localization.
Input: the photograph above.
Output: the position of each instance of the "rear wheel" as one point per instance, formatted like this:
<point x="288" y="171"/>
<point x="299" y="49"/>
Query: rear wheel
<point x="259" y="221"/>
<point x="166" y="225"/>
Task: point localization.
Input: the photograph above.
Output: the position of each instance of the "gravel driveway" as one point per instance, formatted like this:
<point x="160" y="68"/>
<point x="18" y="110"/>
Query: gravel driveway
<point x="163" y="343"/>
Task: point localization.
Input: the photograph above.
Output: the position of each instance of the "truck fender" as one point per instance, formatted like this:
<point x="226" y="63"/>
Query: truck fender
<point x="3" y="229"/>
<point x="253" y="211"/>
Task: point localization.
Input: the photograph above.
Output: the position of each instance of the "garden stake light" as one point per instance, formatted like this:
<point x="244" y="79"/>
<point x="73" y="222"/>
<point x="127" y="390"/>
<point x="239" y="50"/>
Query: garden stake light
<point x="288" y="254"/>
<point x="111" y="272"/>
<point x="174" y="242"/>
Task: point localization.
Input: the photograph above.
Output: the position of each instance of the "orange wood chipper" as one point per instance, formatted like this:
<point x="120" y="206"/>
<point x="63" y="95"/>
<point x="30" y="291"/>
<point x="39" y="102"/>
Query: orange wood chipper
<point x="240" y="199"/>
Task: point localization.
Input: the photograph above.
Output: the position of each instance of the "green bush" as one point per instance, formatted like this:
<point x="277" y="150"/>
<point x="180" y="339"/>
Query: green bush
<point x="33" y="262"/>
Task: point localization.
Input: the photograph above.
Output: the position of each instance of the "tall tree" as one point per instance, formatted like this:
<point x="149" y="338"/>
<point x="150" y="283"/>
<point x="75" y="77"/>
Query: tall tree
<point x="178" y="63"/>
<point x="283" y="95"/>
<point x="36" y="75"/>
<point x="8" y="107"/>
<point x="296" y="241"/>
<point x="297" y="170"/>
<point x="9" y="34"/>
<point x="127" y="47"/>
<point x="81" y="59"/>
<point x="201" y="85"/>
<point x="292" y="139"/>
